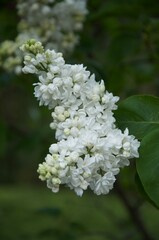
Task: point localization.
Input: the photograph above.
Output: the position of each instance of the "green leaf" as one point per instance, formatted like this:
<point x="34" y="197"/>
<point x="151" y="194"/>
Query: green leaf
<point x="148" y="165"/>
<point x="140" y="114"/>
<point x="142" y="190"/>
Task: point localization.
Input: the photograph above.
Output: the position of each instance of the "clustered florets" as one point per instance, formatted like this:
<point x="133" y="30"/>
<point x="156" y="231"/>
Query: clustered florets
<point x="90" y="150"/>
<point x="54" y="23"/>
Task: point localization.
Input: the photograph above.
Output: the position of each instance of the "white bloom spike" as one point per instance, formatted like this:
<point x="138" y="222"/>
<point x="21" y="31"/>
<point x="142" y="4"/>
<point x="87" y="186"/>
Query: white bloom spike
<point x="90" y="150"/>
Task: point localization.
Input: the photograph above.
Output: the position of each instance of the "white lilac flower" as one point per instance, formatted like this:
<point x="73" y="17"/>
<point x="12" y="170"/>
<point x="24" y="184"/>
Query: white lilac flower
<point x="55" y="23"/>
<point x="90" y="149"/>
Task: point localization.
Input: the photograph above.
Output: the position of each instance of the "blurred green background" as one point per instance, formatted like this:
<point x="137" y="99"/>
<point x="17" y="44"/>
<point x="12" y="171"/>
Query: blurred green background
<point x="120" y="44"/>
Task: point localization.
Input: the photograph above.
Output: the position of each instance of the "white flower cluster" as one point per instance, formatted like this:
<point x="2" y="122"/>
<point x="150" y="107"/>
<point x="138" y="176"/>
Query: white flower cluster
<point x="90" y="150"/>
<point x="54" y="23"/>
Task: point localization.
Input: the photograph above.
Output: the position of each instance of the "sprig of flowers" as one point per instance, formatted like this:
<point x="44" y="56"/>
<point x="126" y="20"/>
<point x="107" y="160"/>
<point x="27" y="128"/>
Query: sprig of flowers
<point x="90" y="150"/>
<point x="55" y="23"/>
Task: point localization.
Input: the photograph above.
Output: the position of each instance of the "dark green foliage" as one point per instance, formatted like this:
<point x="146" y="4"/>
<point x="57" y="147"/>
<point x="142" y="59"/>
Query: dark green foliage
<point x="148" y="165"/>
<point x="140" y="114"/>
